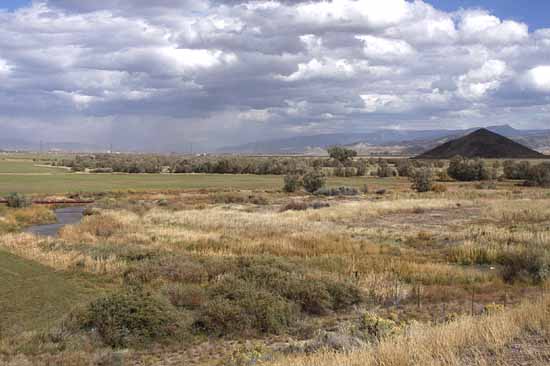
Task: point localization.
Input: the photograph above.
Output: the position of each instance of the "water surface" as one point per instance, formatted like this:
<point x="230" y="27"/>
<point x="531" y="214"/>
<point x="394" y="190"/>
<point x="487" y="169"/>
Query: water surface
<point x="65" y="216"/>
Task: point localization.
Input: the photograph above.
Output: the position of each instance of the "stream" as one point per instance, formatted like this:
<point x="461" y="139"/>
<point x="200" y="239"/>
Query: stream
<point x="65" y="216"/>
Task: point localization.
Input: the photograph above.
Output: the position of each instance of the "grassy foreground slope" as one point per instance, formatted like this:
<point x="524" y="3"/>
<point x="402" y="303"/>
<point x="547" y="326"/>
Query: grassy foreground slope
<point x="33" y="296"/>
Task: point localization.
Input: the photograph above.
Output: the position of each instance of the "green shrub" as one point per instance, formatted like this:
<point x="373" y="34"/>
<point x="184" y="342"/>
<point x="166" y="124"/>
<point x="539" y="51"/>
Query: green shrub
<point x="315" y="296"/>
<point x="130" y="318"/>
<point x="466" y="170"/>
<point x="376" y="328"/>
<point x="17" y="200"/>
<point x="385" y="170"/>
<point x="539" y="176"/>
<point x="422" y="179"/>
<point x="313" y="181"/>
<point x="525" y="265"/>
<point x="516" y="170"/>
<point x="292" y="183"/>
<point x="405" y="168"/>
<point x="240" y="307"/>
<point x="312" y="296"/>
<point x="343" y="295"/>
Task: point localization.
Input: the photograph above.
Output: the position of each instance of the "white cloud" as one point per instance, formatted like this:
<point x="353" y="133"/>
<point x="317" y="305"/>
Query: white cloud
<point x="479" y="26"/>
<point x="5" y="68"/>
<point x="326" y="69"/>
<point x="255" y="115"/>
<point x="80" y="101"/>
<point x="538" y="78"/>
<point x="372" y="13"/>
<point x="478" y="82"/>
<point x="381" y="102"/>
<point x="385" y="49"/>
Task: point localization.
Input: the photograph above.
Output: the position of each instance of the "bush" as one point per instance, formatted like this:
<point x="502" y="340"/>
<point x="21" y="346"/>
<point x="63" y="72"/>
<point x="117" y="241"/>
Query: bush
<point x="238" y="306"/>
<point x="130" y="318"/>
<point x="337" y="191"/>
<point x="17" y="200"/>
<point x="516" y="170"/>
<point x="422" y="179"/>
<point x="384" y="170"/>
<point x="466" y="170"/>
<point x="376" y="328"/>
<point x="292" y="183"/>
<point x="343" y="295"/>
<point x="313" y="181"/>
<point x="524" y="265"/>
<point x="315" y="296"/>
<point x="539" y="176"/>
<point x="405" y="168"/>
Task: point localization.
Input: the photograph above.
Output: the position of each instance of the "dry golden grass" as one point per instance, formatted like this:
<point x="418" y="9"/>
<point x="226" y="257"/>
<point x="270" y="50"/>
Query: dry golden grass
<point x="387" y="245"/>
<point x="467" y="341"/>
<point x="44" y="251"/>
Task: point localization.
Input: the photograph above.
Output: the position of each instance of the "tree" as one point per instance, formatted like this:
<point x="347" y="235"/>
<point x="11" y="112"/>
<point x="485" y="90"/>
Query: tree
<point x="313" y="181"/>
<point x="341" y="153"/>
<point x="422" y="179"/>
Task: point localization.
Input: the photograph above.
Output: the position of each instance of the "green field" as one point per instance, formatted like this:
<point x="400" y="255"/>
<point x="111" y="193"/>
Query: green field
<point x="25" y="177"/>
<point x="69" y="182"/>
<point x="33" y="296"/>
<point x="19" y="166"/>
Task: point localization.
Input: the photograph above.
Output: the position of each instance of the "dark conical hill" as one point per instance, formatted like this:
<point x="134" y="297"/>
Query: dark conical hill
<point x="482" y="144"/>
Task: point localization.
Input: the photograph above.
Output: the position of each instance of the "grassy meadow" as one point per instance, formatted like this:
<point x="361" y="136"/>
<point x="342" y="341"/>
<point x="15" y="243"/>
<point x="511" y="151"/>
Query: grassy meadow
<point x="206" y="269"/>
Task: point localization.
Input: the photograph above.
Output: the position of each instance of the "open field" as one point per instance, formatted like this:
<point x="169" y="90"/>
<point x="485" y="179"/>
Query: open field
<point x="206" y="269"/>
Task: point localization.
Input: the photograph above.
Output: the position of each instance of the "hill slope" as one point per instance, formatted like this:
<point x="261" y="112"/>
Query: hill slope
<point x="483" y="144"/>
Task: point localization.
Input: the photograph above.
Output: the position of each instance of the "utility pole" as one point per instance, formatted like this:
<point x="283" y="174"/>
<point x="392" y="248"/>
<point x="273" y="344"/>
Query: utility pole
<point x="41" y="147"/>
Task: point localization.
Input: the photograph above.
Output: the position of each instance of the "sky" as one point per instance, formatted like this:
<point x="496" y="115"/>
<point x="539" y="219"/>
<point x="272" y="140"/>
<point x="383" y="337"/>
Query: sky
<point x="161" y="75"/>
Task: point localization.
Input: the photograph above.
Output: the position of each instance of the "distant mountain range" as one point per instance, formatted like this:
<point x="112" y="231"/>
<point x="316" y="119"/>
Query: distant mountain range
<point x="25" y="145"/>
<point x="386" y="142"/>
<point x="375" y="142"/>
<point x="482" y="143"/>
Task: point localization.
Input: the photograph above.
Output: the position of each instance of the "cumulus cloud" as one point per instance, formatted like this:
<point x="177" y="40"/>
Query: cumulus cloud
<point x="538" y="78"/>
<point x="478" y="82"/>
<point x="218" y="72"/>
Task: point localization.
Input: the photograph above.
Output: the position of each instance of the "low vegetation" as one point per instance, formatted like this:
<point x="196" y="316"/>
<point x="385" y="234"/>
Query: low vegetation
<point x="406" y="270"/>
